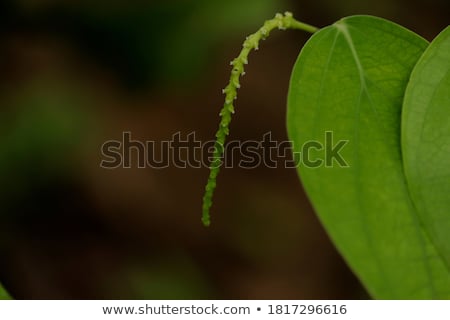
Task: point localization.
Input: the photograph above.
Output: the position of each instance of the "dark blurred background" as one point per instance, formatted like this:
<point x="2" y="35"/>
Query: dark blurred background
<point x="77" y="73"/>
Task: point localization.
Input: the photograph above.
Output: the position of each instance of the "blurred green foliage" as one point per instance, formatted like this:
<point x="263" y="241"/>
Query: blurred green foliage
<point x="152" y="42"/>
<point x="47" y="117"/>
<point x="3" y="294"/>
<point x="42" y="134"/>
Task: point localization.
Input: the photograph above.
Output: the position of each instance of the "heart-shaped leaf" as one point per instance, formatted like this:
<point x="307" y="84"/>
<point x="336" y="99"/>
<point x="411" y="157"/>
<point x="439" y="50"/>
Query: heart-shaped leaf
<point x="350" y="80"/>
<point x="426" y="140"/>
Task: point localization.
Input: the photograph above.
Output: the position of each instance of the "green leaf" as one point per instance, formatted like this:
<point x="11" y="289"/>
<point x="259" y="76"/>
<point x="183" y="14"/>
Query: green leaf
<point x="3" y="294"/>
<point x="426" y="140"/>
<point x="350" y="79"/>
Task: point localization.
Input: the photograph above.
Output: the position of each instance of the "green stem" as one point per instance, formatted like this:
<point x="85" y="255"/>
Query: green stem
<point x="281" y="22"/>
<point x="4" y="295"/>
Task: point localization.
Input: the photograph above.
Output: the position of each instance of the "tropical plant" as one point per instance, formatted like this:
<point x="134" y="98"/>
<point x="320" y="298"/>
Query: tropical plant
<point x="386" y="91"/>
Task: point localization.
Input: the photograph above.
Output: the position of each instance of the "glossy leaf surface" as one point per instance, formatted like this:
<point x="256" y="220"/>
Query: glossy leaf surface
<point x="350" y="79"/>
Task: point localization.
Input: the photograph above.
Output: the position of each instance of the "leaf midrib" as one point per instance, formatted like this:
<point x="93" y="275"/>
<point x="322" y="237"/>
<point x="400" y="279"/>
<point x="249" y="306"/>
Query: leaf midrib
<point x="342" y="27"/>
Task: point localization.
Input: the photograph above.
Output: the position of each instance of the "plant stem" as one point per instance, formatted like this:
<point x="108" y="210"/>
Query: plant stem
<point x="281" y="22"/>
<point x="4" y="295"/>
